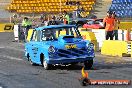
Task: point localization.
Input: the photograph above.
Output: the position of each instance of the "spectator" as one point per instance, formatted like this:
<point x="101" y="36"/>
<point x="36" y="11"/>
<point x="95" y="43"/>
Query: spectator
<point x="66" y="17"/>
<point x="26" y="23"/>
<point x="15" y="18"/>
<point x="42" y="18"/>
<point x="53" y="22"/>
<point x="109" y="22"/>
<point x="115" y="31"/>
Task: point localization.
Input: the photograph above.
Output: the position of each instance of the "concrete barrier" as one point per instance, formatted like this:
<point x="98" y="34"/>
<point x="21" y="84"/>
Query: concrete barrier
<point x="16" y="32"/>
<point x="125" y="25"/>
<point x="100" y="35"/>
<point x="6" y="27"/>
<point x="114" y="48"/>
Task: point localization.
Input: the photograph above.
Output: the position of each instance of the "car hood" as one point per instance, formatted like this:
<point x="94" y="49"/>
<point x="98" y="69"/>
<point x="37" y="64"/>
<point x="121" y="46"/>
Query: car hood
<point x="61" y="42"/>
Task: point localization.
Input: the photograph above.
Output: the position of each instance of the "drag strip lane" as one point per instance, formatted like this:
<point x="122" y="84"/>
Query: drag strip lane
<point x="10" y="57"/>
<point x="11" y="53"/>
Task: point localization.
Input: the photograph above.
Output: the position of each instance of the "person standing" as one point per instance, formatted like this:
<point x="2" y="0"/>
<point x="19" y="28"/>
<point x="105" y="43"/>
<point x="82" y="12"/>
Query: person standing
<point x="66" y="18"/>
<point x="15" y="19"/>
<point x="27" y="24"/>
<point x="116" y="26"/>
<point x="42" y="18"/>
<point x="108" y="21"/>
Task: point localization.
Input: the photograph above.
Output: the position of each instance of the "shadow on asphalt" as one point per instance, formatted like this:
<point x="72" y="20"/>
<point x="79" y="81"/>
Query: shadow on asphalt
<point x="2" y="86"/>
<point x="111" y="66"/>
<point x="96" y="66"/>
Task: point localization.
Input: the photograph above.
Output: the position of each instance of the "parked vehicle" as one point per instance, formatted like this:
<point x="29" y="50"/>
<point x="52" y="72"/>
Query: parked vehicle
<point x="94" y="24"/>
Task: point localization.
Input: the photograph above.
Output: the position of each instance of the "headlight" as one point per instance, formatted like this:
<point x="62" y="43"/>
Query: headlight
<point x="51" y="49"/>
<point x="90" y="46"/>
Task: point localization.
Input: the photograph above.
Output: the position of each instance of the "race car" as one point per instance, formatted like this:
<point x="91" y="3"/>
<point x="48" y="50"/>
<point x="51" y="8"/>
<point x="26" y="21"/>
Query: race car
<point x="94" y="24"/>
<point x="80" y="21"/>
<point x="59" y="45"/>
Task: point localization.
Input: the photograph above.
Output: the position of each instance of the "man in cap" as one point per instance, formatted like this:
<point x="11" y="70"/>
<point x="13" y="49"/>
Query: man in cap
<point x="109" y="25"/>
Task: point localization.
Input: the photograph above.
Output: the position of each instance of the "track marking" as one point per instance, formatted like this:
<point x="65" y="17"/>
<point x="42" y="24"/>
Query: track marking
<point x="11" y="58"/>
<point x="13" y="48"/>
<point x="1" y="47"/>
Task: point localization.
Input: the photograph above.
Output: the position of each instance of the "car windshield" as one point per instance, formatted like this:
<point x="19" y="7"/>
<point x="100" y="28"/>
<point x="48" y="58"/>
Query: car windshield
<point x="53" y="34"/>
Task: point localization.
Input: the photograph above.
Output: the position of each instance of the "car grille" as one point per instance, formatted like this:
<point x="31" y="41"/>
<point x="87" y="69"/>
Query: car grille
<point x="71" y="52"/>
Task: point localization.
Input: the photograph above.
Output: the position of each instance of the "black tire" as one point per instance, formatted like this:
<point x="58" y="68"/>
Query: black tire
<point x="33" y="64"/>
<point x="28" y="57"/>
<point x="88" y="64"/>
<point x="45" y="65"/>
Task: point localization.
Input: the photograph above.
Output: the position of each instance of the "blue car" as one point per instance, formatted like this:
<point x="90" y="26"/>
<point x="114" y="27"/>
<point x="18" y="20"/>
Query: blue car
<point x="59" y="45"/>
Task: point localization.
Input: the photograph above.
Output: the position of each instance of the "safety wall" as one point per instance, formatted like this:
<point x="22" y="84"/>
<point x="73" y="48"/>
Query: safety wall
<point x="100" y="35"/>
<point x="6" y="27"/>
<point x="114" y="48"/>
<point x="125" y="25"/>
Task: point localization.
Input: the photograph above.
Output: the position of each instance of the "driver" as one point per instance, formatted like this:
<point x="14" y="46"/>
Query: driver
<point x="48" y="35"/>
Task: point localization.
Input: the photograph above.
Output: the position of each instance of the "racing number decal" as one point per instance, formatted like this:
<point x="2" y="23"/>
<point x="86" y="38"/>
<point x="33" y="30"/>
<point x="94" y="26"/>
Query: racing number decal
<point x="8" y="27"/>
<point x="35" y="50"/>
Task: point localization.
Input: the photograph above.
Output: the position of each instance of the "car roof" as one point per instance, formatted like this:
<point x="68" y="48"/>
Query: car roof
<point x="54" y="26"/>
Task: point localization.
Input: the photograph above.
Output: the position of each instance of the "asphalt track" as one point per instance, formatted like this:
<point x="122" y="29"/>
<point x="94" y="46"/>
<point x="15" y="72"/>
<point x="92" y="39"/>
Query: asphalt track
<point x="16" y="71"/>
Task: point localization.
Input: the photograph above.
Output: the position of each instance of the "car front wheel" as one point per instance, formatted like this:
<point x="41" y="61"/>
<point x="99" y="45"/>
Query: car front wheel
<point x="88" y="64"/>
<point x="46" y="65"/>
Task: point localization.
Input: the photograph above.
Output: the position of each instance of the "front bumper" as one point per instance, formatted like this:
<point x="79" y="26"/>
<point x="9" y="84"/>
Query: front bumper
<point x="69" y="60"/>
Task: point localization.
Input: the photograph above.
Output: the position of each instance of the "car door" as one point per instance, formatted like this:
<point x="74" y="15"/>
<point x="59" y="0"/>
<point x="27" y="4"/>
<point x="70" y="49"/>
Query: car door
<point x="34" y="43"/>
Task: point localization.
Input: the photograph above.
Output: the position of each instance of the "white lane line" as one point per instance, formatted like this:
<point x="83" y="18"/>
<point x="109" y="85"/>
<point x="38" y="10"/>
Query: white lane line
<point x="11" y="58"/>
<point x="1" y="47"/>
<point x="13" y="48"/>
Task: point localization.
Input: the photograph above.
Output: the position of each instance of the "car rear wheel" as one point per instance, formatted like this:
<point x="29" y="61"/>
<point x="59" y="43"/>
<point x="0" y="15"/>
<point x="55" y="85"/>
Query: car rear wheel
<point x="32" y="62"/>
<point x="29" y="59"/>
<point x="88" y="64"/>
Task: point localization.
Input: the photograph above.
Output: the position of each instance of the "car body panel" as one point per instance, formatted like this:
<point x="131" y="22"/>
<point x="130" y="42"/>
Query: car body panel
<point x="68" y="49"/>
<point x="94" y="24"/>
